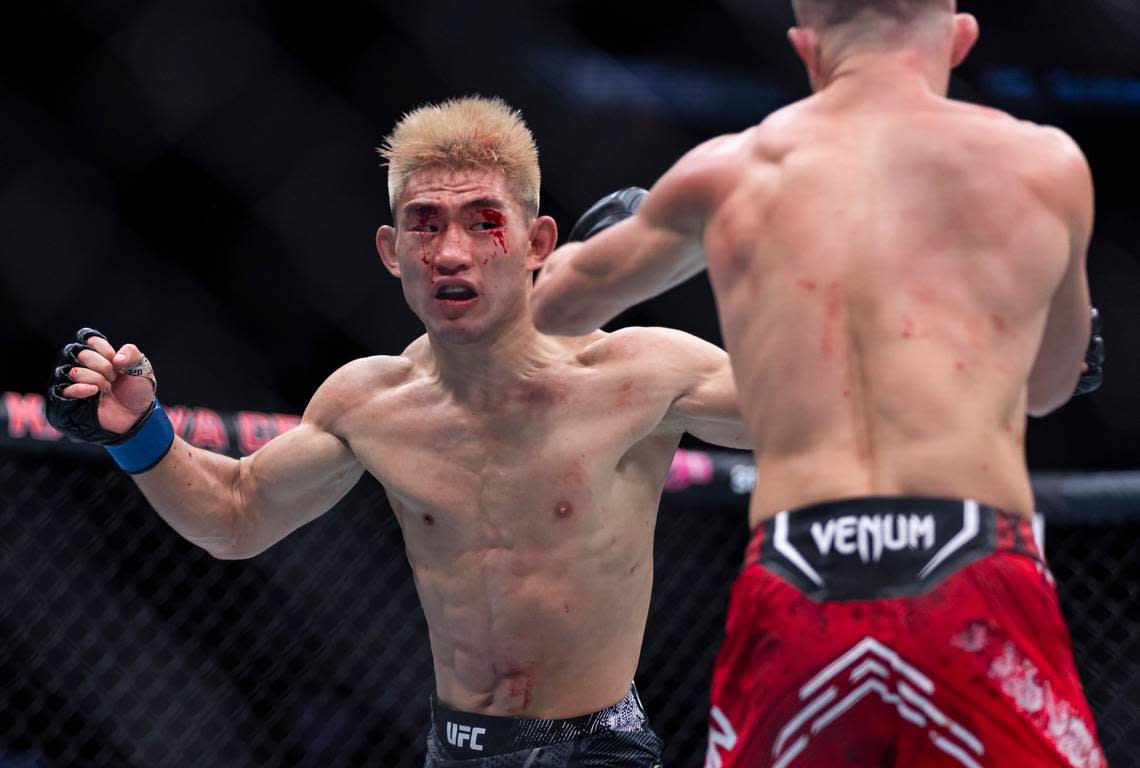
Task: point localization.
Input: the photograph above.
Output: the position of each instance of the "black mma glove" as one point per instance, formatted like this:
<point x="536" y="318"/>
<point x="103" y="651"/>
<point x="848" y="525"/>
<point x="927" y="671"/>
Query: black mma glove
<point x="79" y="417"/>
<point x="1091" y="379"/>
<point x="608" y="211"/>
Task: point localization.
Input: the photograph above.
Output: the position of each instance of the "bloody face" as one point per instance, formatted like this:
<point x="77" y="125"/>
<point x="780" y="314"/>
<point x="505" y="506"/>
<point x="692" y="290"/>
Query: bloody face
<point x="462" y="240"/>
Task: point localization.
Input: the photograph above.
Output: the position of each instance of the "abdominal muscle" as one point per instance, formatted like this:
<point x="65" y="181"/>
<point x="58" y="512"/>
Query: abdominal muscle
<point x="535" y="633"/>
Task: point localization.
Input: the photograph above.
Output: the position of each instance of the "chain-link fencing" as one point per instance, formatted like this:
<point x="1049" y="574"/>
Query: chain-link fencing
<point x="123" y="645"/>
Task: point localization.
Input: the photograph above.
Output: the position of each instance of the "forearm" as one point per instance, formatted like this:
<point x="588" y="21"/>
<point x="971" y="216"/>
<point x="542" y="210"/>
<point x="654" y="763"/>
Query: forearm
<point x="585" y="285"/>
<point x="572" y="296"/>
<point x="1048" y="393"/>
<point x="231" y="508"/>
<point x="198" y="494"/>
<point x="239" y="508"/>
<point x="1053" y="379"/>
<point x="729" y="433"/>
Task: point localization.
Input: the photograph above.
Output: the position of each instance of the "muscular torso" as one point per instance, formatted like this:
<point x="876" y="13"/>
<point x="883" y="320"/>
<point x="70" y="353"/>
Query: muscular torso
<point x="528" y="517"/>
<point x="883" y="275"/>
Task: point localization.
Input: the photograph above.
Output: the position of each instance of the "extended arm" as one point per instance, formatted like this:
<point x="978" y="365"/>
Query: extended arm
<point x="238" y="508"/>
<point x="584" y="285"/>
<point x="231" y="508"/>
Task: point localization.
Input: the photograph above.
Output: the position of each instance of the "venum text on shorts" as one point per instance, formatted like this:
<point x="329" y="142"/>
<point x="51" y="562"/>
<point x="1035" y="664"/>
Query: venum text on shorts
<point x="870" y="535"/>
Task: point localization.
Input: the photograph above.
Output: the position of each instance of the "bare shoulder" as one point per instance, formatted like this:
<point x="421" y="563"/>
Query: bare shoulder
<point x="1051" y="148"/>
<point x="354" y="385"/>
<point x="654" y="350"/>
<point x="1061" y="154"/>
<point x="1059" y="170"/>
<point x="784" y="129"/>
<point x="700" y="177"/>
<point x="1047" y="156"/>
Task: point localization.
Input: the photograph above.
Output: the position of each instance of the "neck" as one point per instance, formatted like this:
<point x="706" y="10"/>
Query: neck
<point x="484" y="368"/>
<point x="900" y="73"/>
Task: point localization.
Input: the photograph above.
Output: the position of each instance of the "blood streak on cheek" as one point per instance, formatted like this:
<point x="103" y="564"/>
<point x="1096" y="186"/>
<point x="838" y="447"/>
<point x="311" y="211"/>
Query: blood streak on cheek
<point x="423" y="218"/>
<point x="491" y="216"/>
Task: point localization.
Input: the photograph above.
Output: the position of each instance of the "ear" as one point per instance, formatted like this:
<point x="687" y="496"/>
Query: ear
<point x="543" y="238"/>
<point x="386" y="247"/>
<point x="966" y="32"/>
<point x="805" y="42"/>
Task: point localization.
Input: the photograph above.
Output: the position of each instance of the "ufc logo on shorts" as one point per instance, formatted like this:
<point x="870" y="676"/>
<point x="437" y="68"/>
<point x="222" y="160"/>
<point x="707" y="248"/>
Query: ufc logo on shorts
<point x="460" y="735"/>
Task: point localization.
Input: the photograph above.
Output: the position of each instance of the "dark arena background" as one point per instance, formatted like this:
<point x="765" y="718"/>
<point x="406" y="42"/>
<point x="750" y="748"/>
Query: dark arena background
<point x="200" y="178"/>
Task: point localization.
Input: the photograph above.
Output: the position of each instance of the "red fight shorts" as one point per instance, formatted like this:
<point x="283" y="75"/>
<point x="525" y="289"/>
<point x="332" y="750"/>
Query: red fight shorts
<point x="897" y="632"/>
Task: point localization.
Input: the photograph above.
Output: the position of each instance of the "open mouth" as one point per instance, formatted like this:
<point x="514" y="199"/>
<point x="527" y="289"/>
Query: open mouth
<point x="455" y="293"/>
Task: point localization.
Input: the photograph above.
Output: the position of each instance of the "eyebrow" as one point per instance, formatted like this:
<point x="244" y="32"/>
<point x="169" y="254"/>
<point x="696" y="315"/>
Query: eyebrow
<point x="421" y="208"/>
<point x="413" y="207"/>
<point x="486" y="202"/>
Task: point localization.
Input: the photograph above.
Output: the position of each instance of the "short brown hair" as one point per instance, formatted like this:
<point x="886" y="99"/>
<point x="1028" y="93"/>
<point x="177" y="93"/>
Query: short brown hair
<point x="471" y="132"/>
<point x="827" y="13"/>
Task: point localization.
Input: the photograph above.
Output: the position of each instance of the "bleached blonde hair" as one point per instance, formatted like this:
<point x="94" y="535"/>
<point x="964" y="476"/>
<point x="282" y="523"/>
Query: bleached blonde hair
<point x="471" y="132"/>
<point x="826" y="13"/>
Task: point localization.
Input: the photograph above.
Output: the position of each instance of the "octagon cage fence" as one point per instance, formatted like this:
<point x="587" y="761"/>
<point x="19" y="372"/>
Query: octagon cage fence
<point x="123" y="645"/>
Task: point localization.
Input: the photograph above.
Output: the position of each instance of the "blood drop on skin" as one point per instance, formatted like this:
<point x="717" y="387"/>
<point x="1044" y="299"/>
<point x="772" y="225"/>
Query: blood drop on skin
<point x="491" y="216"/>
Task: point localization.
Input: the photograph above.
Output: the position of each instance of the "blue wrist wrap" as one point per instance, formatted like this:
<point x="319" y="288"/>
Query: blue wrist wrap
<point x="146" y="444"/>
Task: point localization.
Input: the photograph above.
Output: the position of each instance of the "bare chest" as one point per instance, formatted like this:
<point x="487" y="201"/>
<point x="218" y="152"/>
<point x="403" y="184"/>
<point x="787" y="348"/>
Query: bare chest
<point x="544" y="456"/>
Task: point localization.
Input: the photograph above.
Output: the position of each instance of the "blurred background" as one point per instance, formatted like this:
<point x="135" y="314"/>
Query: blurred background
<point x="200" y="178"/>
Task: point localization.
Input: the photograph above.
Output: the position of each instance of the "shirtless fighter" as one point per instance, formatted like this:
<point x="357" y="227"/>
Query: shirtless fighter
<point x="900" y="279"/>
<point x="524" y="470"/>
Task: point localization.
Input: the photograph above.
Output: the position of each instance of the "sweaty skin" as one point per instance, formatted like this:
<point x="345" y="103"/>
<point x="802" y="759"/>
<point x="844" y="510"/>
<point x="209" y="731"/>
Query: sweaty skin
<point x="524" y="470"/>
<point x="899" y="278"/>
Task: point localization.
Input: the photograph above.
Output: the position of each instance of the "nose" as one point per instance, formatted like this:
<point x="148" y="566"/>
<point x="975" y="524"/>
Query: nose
<point x="454" y="255"/>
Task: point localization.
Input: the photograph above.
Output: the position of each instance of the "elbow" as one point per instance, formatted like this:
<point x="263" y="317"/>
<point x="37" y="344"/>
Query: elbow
<point x="547" y="315"/>
<point x="1041" y="403"/>
<point x="560" y="317"/>
<point x="227" y="548"/>
<point x="229" y="551"/>
<point x="1040" y="410"/>
<point x="1043" y="408"/>
<point x="233" y="533"/>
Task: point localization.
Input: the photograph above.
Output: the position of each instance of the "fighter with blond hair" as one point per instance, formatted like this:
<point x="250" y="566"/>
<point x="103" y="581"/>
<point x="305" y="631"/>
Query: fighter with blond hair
<point x="525" y="470"/>
<point x="900" y="280"/>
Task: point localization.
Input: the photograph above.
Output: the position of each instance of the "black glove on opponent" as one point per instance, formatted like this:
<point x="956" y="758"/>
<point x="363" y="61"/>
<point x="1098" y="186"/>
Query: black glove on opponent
<point x="608" y="211"/>
<point x="1091" y="379"/>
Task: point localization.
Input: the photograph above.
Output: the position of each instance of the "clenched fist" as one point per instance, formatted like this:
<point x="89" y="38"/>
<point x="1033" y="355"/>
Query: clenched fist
<point x="98" y="393"/>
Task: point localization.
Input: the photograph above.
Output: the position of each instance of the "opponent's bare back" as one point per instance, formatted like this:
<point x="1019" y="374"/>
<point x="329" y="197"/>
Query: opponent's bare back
<point x="899" y="277"/>
<point x="885" y="262"/>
